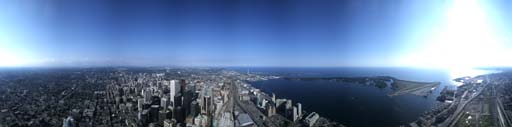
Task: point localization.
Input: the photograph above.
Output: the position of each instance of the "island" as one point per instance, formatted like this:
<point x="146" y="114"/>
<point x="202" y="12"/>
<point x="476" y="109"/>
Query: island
<point x="398" y="86"/>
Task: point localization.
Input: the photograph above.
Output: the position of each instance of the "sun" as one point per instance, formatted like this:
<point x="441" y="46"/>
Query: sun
<point x="9" y="60"/>
<point x="466" y="39"/>
<point x="9" y="57"/>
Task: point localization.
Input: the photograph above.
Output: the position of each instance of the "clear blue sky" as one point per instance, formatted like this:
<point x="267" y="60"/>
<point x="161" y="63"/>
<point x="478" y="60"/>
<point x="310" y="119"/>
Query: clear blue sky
<point x="219" y="32"/>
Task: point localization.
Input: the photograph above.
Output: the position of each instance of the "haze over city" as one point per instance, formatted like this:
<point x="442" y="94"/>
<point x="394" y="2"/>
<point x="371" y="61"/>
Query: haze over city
<point x="436" y="33"/>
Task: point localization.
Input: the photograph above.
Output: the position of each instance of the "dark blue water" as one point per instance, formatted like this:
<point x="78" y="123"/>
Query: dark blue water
<point x="352" y="104"/>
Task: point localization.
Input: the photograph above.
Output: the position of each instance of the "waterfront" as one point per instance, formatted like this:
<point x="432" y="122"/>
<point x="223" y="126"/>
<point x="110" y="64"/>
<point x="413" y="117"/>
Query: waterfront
<point x="354" y="104"/>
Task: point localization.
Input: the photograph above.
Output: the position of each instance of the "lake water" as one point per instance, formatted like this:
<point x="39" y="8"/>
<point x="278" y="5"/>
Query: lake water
<point x="353" y="104"/>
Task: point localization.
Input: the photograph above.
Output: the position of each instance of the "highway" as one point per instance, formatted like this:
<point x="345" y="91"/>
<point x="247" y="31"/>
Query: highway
<point x="456" y="116"/>
<point x="502" y="117"/>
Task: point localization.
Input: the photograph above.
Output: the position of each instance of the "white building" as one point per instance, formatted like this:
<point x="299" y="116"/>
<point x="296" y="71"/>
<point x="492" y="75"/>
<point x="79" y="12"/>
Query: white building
<point x="300" y="109"/>
<point x="244" y="120"/>
<point x="174" y="89"/>
<point x="295" y="114"/>
<point x="311" y="119"/>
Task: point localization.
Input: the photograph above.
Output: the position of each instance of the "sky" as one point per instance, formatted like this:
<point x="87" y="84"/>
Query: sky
<point x="312" y="33"/>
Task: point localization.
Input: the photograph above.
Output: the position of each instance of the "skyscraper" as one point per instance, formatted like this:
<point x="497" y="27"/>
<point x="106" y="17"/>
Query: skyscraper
<point x="207" y="102"/>
<point x="174" y="89"/>
<point x="140" y="103"/>
<point x="295" y="113"/>
<point x="273" y="97"/>
<point x="300" y="109"/>
<point x="146" y="93"/>
<point x="154" y="113"/>
<point x="193" y="109"/>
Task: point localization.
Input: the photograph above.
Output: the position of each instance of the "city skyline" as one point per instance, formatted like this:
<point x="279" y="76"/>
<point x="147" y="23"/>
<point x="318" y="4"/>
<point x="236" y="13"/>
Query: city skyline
<point x="54" y="33"/>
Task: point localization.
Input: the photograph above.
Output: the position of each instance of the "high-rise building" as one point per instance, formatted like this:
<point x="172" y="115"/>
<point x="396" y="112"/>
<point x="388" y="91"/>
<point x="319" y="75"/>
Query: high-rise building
<point x="162" y="115"/>
<point x="207" y="102"/>
<point x="198" y="120"/>
<point x="274" y="98"/>
<point x="155" y="100"/>
<point x="183" y="85"/>
<point x="163" y="102"/>
<point x="174" y="89"/>
<point x="258" y="99"/>
<point x="264" y="103"/>
<point x="311" y="119"/>
<point x="187" y="100"/>
<point x="271" y="109"/>
<point x="205" y="121"/>
<point x="140" y="104"/>
<point x="144" y="117"/>
<point x="178" y="100"/>
<point x="300" y="109"/>
<point x="193" y="109"/>
<point x="146" y="94"/>
<point x="154" y="113"/>
<point x="289" y="104"/>
<point x="68" y="122"/>
<point x="178" y="114"/>
<point x="288" y="111"/>
<point x="168" y="114"/>
<point x="169" y="123"/>
<point x="295" y="114"/>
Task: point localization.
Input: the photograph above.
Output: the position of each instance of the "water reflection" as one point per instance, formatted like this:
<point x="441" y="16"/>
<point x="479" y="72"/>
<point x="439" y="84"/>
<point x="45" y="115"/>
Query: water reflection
<point x="471" y="72"/>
